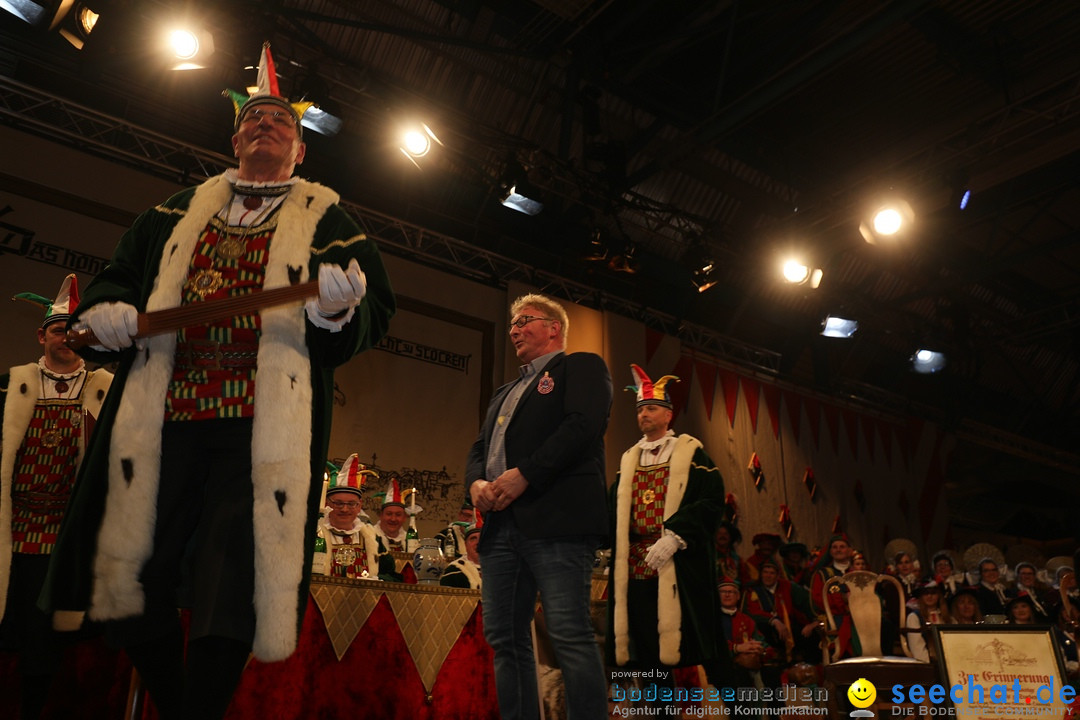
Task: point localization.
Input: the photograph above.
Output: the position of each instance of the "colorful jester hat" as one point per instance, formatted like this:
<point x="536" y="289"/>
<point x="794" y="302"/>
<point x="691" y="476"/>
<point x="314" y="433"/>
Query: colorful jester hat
<point x="60" y="309"/>
<point x="349" y="477"/>
<point x="648" y="392"/>
<point x="403" y="498"/>
<point x="267" y="93"/>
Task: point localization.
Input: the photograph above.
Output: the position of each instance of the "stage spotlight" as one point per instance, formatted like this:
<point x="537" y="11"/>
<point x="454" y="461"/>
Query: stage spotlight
<point x="44" y="13"/>
<point x="889" y="219"/>
<point x="598" y="247"/>
<point x="190" y="49"/>
<point x="322" y="122"/>
<point x="518" y="191"/>
<point x="705" y="277"/>
<point x="838" y="327"/>
<point x="416" y="142"/>
<point x="76" y="27"/>
<point x="519" y="199"/>
<point x="796" y="273"/>
<point x="927" y="361"/>
<point x="624" y="261"/>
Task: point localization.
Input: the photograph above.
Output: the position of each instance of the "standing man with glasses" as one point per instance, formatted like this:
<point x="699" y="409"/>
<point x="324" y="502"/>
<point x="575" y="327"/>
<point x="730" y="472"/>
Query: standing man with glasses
<point x="536" y="471"/>
<point x="205" y="474"/>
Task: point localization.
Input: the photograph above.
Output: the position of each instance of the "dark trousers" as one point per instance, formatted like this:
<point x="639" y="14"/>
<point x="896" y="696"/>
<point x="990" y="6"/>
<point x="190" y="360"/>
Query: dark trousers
<point x="29" y="631"/>
<point x="203" y="558"/>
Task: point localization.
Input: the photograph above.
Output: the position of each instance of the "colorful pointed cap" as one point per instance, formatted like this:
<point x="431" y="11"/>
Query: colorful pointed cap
<point x="60" y="309"/>
<point x="649" y="392"/>
<point x="350" y="477"/>
<point x="267" y="92"/>
<point x="477" y="524"/>
<point x="401" y="497"/>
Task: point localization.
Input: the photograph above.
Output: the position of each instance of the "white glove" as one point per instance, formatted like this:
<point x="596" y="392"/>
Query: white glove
<point x="661" y="551"/>
<point x="340" y="290"/>
<point x="114" y="324"/>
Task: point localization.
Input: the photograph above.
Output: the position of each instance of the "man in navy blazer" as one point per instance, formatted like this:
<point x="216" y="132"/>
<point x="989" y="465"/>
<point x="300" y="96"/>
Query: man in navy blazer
<point x="537" y="472"/>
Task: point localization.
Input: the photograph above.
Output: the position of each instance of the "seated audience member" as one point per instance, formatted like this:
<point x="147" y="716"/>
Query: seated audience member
<point x="393" y="518"/>
<point x="1066" y="586"/>
<point x="990" y="592"/>
<point x="964" y="607"/>
<point x="728" y="562"/>
<point x="905" y="569"/>
<point x="859" y="563"/>
<point x="1020" y="610"/>
<point x="765" y="545"/>
<point x="794" y="557"/>
<point x="748" y="648"/>
<point x="930" y="610"/>
<point x="947" y="575"/>
<point x="452" y="538"/>
<point x="341" y="524"/>
<point x="1065" y="630"/>
<point x="835" y="560"/>
<point x="784" y="608"/>
<point x="464" y="572"/>
<point x="1027" y="582"/>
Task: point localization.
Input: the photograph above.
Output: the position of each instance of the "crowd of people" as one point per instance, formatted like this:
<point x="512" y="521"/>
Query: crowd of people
<point x="783" y="589"/>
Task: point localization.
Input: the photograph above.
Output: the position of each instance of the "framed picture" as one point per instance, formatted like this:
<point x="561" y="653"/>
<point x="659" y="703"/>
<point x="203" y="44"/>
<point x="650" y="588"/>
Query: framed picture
<point x="1002" y="671"/>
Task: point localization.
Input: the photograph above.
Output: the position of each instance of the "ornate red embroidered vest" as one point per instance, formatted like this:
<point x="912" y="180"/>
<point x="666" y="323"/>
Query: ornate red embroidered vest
<point x="646" y="516"/>
<point x="44" y="474"/>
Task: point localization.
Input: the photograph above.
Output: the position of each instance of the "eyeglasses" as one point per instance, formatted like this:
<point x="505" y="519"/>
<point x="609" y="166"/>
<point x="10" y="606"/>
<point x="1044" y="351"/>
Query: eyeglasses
<point x="520" y="322"/>
<point x="338" y="504"/>
<point x="278" y="117"/>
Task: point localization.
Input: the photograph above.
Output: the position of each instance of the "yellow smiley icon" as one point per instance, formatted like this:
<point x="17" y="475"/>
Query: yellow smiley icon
<point x="862" y="693"/>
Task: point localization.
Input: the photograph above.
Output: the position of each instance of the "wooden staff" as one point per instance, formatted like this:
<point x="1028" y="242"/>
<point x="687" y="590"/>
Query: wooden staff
<point x="200" y="313"/>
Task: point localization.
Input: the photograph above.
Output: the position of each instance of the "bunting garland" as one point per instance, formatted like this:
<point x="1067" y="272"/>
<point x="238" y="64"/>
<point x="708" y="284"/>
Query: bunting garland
<point x="786" y="524"/>
<point x="756" y="472"/>
<point x="810" y="483"/>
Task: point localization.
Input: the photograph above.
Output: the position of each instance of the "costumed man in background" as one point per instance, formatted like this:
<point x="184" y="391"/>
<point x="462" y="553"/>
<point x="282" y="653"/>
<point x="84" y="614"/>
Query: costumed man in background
<point x="452" y="537"/>
<point x="48" y="408"/>
<point x="765" y="546"/>
<point x="666" y="504"/>
<point x="394" y="514"/>
<point x="784" y="608"/>
<point x="208" y="463"/>
<point x="744" y="642"/>
<point x="464" y="572"/>
<point x="836" y="560"/>
<point x="793" y="558"/>
<point x="342" y="524"/>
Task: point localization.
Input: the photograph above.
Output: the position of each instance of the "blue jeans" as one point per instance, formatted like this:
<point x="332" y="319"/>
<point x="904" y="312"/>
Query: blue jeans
<point x="515" y="567"/>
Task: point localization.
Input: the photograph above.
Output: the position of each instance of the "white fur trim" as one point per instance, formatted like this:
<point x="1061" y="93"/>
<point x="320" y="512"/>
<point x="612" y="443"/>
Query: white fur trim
<point x="281" y="434"/>
<point x="669" y="609"/>
<point x="18" y="411"/>
<point x="469" y="569"/>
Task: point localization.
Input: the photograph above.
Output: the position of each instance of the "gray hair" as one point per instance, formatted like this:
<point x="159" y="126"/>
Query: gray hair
<point x="549" y="307"/>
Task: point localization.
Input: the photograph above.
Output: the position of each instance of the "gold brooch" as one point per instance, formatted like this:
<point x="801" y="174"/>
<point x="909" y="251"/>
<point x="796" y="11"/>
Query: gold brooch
<point x="206" y="282"/>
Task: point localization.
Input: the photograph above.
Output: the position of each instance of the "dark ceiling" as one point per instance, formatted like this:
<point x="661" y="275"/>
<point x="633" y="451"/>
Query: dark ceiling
<point x="672" y="129"/>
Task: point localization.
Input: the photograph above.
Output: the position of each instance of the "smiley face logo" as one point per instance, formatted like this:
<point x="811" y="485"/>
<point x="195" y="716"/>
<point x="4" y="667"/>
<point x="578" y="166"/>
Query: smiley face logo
<point x="862" y="693"/>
